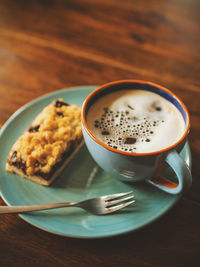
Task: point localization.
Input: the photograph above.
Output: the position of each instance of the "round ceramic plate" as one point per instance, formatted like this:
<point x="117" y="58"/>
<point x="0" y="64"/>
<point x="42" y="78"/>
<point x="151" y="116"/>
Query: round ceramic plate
<point x="81" y="179"/>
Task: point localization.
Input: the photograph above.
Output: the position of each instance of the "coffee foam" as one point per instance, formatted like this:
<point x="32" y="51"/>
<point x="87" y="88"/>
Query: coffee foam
<point x="135" y="121"/>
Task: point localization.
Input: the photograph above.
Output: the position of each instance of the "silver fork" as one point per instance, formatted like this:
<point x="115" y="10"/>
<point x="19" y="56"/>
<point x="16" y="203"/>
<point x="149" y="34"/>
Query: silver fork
<point x="98" y="205"/>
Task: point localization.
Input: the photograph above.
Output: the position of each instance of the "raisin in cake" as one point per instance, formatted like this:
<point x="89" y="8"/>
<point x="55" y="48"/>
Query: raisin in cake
<point x="51" y="141"/>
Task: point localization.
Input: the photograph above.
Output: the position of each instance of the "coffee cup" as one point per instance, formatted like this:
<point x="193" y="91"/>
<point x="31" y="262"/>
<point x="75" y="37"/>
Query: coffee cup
<point x="134" y="129"/>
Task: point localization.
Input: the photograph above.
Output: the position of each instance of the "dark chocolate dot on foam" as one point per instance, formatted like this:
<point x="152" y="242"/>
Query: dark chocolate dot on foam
<point x="129" y="106"/>
<point x="130" y="140"/>
<point x="105" y="132"/>
<point x="158" y="108"/>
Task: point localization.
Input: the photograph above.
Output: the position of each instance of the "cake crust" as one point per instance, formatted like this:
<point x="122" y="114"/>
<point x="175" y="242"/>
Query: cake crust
<point x="50" y="142"/>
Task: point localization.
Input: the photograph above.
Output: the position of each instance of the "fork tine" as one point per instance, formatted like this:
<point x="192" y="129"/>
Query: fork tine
<point x="114" y="202"/>
<point x="119" y="207"/>
<point x="110" y="197"/>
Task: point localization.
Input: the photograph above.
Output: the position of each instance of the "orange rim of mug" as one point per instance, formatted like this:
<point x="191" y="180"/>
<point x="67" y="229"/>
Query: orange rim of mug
<point x="83" y="118"/>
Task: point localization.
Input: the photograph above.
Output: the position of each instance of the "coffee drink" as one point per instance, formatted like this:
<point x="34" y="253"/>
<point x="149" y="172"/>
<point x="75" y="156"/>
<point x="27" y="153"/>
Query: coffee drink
<point x="136" y="121"/>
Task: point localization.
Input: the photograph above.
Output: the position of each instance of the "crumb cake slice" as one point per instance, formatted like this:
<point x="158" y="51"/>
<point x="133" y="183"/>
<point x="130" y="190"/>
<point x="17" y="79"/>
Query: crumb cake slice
<point x="46" y="147"/>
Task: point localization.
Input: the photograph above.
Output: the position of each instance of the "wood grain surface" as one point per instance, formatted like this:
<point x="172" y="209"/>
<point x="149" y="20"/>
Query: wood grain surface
<point x="49" y="45"/>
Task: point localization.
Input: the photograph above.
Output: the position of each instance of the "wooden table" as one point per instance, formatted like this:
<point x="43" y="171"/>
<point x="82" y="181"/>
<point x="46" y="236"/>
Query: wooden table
<point x="48" y="45"/>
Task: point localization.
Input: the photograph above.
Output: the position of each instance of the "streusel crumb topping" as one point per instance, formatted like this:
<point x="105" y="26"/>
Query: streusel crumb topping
<point x="50" y="135"/>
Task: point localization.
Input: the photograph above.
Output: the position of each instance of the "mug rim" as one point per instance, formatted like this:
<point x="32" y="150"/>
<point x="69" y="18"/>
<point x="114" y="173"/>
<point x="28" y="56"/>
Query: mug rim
<point x="84" y="122"/>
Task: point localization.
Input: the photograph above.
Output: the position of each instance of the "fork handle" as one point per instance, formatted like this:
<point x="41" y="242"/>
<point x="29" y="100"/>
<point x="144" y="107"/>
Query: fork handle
<point x="22" y="209"/>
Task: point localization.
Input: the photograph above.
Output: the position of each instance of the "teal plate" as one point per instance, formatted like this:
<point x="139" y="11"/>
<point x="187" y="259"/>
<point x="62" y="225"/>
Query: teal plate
<point x="81" y="179"/>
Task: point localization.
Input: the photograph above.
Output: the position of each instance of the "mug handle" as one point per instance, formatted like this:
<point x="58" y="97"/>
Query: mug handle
<point x="183" y="174"/>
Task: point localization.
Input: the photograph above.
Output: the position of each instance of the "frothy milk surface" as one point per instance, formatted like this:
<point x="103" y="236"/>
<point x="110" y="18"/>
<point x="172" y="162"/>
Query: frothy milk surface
<point x="135" y="121"/>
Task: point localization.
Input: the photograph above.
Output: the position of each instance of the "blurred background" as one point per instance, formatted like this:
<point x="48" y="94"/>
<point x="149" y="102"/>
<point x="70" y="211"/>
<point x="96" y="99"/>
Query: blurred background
<point x="47" y="45"/>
